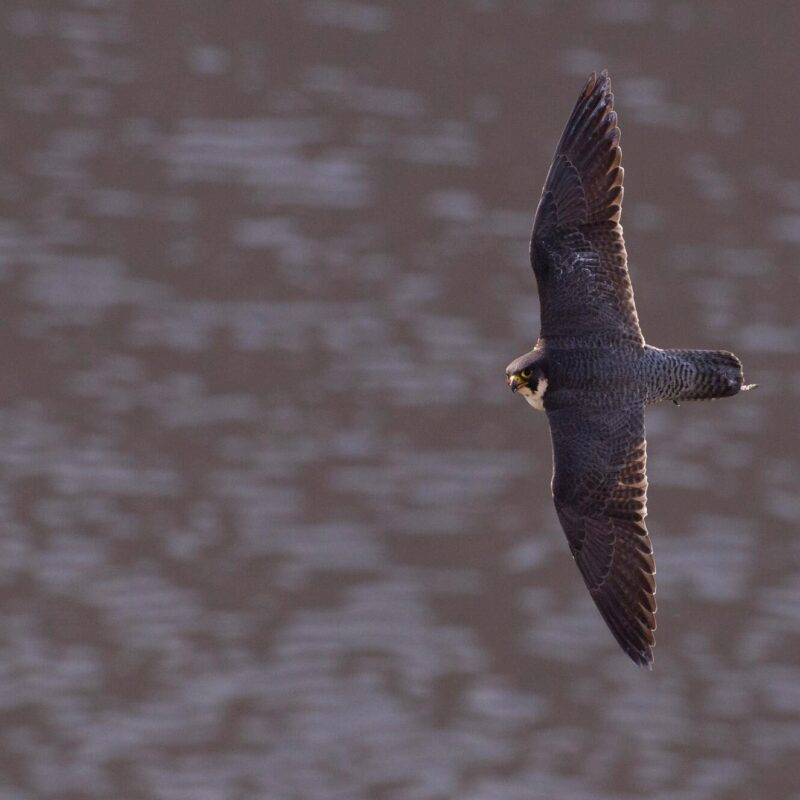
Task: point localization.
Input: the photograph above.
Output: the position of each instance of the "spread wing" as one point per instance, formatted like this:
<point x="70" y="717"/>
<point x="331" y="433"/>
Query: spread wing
<point x="577" y="250"/>
<point x="600" y="494"/>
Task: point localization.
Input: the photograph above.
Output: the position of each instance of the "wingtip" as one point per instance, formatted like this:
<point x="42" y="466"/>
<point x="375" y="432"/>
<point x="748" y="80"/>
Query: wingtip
<point x="597" y="85"/>
<point x="643" y="659"/>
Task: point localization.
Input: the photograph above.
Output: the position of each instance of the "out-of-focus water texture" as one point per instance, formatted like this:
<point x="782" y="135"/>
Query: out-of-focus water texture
<point x="273" y="525"/>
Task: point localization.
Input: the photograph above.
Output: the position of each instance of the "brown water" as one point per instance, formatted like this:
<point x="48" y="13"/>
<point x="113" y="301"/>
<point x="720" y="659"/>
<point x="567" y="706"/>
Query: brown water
<point x="274" y="527"/>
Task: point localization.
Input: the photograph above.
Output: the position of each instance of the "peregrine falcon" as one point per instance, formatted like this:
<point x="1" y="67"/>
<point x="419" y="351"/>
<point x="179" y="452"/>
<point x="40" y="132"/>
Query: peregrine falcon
<point x="592" y="373"/>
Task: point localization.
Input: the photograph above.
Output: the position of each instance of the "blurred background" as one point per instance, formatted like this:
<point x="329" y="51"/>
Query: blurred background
<point x="273" y="525"/>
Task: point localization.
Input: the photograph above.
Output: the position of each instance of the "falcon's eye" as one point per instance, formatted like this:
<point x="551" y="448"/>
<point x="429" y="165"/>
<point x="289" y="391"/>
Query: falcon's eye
<point x="526" y="373"/>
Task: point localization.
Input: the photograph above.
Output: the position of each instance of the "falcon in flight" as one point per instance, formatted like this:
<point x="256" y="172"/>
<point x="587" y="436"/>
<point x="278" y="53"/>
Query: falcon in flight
<point x="592" y="373"/>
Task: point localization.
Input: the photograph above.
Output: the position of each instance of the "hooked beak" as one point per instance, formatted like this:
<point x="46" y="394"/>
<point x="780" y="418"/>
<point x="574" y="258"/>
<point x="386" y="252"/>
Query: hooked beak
<point x="513" y="382"/>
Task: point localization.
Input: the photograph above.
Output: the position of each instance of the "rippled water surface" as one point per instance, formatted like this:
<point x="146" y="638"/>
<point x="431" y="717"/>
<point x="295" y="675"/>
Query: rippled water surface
<point x="273" y="525"/>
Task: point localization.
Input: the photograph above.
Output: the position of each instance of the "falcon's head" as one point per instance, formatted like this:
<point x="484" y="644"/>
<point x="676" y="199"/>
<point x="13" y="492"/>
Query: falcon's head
<point x="526" y="375"/>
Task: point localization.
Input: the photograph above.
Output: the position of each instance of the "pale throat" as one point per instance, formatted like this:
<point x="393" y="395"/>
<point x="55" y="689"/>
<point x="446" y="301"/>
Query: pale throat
<point x="536" y="399"/>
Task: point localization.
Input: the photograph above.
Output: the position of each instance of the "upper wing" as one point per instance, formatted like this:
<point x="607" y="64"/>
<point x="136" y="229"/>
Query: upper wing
<point x="577" y="249"/>
<point x="600" y="494"/>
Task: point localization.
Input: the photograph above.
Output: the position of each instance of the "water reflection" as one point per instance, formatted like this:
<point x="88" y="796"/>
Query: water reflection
<point x="273" y="526"/>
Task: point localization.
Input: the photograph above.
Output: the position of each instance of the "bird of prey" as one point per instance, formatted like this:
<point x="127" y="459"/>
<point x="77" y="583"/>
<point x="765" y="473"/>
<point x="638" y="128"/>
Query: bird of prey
<point x="593" y="374"/>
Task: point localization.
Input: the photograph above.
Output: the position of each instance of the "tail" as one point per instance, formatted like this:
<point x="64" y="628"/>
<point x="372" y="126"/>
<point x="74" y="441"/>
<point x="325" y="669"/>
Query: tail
<point x="705" y="374"/>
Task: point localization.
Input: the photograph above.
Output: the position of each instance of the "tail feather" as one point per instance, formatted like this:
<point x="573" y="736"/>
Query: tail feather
<point x="706" y="374"/>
